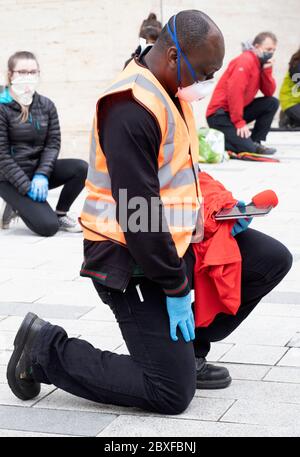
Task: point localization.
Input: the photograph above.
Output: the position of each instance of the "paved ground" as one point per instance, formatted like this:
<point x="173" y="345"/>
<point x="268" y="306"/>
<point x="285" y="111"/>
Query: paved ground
<point x="263" y="355"/>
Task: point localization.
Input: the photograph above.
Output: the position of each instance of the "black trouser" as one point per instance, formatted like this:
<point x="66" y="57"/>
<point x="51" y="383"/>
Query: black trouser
<point x="262" y="110"/>
<point x="159" y="374"/>
<point x="39" y="216"/>
<point x="294" y="114"/>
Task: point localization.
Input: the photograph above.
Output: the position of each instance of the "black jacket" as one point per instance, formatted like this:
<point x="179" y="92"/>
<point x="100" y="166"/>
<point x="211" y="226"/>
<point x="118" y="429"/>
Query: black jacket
<point x="30" y="147"/>
<point x="131" y="139"/>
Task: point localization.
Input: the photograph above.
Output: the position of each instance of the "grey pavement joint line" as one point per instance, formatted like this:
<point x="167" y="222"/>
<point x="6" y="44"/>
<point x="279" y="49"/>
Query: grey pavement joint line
<point x="44" y="397"/>
<point x="263" y="378"/>
<point x="225" y="412"/>
<point x="86" y="312"/>
<point x="286" y="352"/>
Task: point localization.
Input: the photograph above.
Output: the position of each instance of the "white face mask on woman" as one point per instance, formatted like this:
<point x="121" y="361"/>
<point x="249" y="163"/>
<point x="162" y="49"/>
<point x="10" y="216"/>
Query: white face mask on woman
<point x="24" y="87"/>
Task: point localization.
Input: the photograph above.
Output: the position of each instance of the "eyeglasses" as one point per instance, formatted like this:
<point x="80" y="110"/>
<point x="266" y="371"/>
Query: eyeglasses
<point x="25" y="72"/>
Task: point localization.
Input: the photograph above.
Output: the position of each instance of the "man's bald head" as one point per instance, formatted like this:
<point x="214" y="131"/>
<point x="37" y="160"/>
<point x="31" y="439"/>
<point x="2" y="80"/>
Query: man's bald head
<point x="202" y="43"/>
<point x="193" y="29"/>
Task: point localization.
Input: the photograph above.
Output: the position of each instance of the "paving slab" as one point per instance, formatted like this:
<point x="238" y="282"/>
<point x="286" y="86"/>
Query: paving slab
<point x="53" y="421"/>
<point x="283" y="374"/>
<point x="217" y="351"/>
<point x="21" y="434"/>
<point x="101" y="312"/>
<point x="264" y="413"/>
<point x="10" y="324"/>
<point x="3" y="374"/>
<point x="23" y="263"/>
<point x="37" y="274"/>
<point x="75" y="294"/>
<point x="6" y="276"/>
<point x="132" y="426"/>
<point x="244" y="371"/>
<point x="7" y="340"/>
<point x="21" y="291"/>
<point x="254" y="353"/>
<point x="256" y="391"/>
<point x="52" y="266"/>
<point x="292" y="298"/>
<point x="265" y="330"/>
<point x="5" y="356"/>
<point x="277" y="310"/>
<point x="43" y="310"/>
<point x="291" y="359"/>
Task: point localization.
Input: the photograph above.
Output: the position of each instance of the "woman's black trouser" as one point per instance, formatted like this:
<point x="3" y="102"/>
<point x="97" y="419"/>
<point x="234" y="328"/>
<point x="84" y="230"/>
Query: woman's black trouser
<point x="159" y="374"/>
<point x="294" y="114"/>
<point x="40" y="217"/>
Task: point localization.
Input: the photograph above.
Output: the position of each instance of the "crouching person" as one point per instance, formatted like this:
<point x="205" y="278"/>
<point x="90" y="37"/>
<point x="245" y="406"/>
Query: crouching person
<point x="29" y="147"/>
<point x="233" y="105"/>
<point x="290" y="95"/>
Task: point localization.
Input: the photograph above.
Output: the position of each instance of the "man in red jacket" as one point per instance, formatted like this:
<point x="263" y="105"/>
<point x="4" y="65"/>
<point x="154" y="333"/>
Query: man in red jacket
<point x="233" y="104"/>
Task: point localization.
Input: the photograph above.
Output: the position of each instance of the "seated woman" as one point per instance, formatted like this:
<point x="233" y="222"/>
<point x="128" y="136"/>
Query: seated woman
<point x="290" y="94"/>
<point x="29" y="146"/>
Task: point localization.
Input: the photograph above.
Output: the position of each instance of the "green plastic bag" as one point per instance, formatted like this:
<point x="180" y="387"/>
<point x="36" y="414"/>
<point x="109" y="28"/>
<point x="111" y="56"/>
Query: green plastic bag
<point x="211" y="146"/>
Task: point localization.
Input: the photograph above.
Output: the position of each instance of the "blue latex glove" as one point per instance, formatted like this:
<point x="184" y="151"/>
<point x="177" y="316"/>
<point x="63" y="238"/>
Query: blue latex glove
<point x="241" y="224"/>
<point x="39" y="188"/>
<point x="181" y="314"/>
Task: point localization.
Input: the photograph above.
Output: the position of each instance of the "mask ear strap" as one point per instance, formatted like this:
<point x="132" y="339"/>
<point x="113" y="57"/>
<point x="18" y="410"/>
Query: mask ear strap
<point x="183" y="55"/>
<point x="174" y="38"/>
<point x="178" y="49"/>
<point x="180" y="52"/>
<point x="192" y="71"/>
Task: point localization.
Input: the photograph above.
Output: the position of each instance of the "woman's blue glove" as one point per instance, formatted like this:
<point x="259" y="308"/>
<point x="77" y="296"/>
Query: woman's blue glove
<point x="241" y="224"/>
<point x="181" y="314"/>
<point x="39" y="188"/>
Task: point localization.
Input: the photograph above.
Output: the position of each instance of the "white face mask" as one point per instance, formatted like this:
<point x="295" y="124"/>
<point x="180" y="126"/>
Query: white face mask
<point x="24" y="88"/>
<point x="196" y="91"/>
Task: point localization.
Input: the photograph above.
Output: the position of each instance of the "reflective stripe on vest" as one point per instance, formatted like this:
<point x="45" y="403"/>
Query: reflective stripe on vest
<point x="106" y="212"/>
<point x="165" y="176"/>
<point x="177" y="166"/>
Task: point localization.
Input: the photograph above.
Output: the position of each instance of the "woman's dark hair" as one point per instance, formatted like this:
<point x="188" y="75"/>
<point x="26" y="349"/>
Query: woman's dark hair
<point x="295" y="59"/>
<point x="11" y="65"/>
<point x="150" y="28"/>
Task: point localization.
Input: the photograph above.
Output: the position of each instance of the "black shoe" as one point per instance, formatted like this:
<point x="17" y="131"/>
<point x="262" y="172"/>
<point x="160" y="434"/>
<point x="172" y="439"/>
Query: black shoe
<point x="260" y="149"/>
<point x="211" y="376"/>
<point x="19" y="371"/>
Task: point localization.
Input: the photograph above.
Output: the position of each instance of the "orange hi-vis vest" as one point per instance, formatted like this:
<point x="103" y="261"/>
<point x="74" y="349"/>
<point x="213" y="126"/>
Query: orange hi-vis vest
<point x="178" y="155"/>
